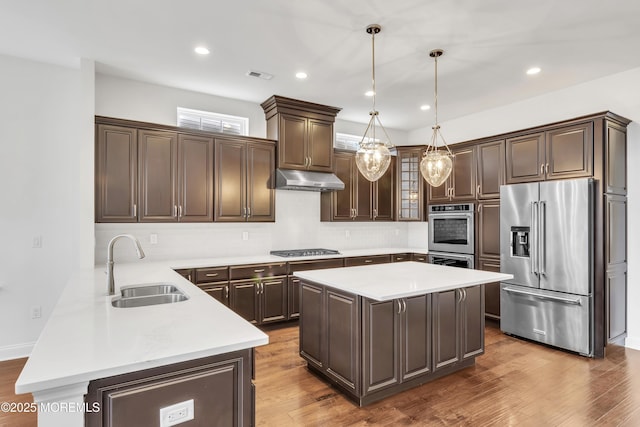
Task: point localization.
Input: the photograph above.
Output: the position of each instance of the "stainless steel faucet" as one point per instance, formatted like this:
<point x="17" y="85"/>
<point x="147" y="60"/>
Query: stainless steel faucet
<point x="110" y="282"/>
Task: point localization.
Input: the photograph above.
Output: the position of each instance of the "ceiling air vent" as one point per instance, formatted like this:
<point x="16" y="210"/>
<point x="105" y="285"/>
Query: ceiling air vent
<point x="260" y="75"/>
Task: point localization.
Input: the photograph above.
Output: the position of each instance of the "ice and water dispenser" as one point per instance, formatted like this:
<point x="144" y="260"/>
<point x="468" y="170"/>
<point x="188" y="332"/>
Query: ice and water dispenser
<point x="520" y="241"/>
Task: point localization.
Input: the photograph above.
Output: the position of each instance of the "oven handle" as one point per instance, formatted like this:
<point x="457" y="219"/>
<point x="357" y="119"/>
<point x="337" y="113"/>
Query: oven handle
<point x="549" y="297"/>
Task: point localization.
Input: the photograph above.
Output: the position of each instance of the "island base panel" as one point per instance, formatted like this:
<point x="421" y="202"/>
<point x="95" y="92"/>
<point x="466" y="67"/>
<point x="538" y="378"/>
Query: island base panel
<point x="390" y="391"/>
<point x="220" y="386"/>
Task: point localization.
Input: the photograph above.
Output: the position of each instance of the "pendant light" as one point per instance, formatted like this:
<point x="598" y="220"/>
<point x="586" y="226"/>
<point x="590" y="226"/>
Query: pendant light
<point x="436" y="165"/>
<point x="373" y="156"/>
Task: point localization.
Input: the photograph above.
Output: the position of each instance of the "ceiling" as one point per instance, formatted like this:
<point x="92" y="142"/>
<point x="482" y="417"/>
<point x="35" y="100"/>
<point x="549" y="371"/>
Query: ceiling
<point x="488" y="47"/>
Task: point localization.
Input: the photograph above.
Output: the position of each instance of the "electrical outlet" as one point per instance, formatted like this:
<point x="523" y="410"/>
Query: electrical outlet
<point x="153" y="238"/>
<point x="37" y="242"/>
<point x="245" y="235"/>
<point x="36" y="312"/>
<point x="176" y="414"/>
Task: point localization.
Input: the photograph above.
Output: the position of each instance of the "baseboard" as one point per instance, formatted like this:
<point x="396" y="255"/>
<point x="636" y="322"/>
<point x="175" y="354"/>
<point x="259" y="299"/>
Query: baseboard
<point x="16" y="351"/>
<point x="632" y="342"/>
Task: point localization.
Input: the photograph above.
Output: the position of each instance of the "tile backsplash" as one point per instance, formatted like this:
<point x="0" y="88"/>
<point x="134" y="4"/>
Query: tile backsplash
<point x="297" y="225"/>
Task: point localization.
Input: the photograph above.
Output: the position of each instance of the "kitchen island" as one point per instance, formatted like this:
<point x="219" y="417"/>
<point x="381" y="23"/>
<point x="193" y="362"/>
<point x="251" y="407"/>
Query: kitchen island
<point x="130" y="362"/>
<point x="376" y="330"/>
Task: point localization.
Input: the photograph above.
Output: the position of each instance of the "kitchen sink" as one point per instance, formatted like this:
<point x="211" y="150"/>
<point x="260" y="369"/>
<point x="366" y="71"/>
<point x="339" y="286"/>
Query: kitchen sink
<point x="148" y="300"/>
<point x="146" y="289"/>
<point x="148" y="294"/>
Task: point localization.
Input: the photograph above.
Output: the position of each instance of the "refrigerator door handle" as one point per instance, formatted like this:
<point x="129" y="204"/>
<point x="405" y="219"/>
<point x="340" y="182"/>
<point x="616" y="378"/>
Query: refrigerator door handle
<point x="548" y="297"/>
<point x="542" y="241"/>
<point x="534" y="233"/>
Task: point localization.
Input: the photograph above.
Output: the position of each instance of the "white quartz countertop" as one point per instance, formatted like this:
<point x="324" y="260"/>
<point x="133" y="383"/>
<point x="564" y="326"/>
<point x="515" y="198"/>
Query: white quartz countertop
<point x="87" y="338"/>
<point x="260" y="259"/>
<point x="383" y="282"/>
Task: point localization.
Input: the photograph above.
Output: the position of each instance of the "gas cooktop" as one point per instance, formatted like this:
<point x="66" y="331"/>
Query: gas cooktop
<point x="304" y="252"/>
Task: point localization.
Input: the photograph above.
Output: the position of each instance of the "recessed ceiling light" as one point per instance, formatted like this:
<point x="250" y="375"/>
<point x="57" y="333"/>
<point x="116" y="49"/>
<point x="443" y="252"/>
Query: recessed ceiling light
<point x="425" y="107"/>
<point x="369" y="93"/>
<point x="201" y="50"/>
<point x="533" y="70"/>
<point x="301" y="75"/>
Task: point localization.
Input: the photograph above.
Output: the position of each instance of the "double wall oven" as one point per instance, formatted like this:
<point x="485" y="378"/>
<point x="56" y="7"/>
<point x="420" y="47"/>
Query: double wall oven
<point x="451" y="235"/>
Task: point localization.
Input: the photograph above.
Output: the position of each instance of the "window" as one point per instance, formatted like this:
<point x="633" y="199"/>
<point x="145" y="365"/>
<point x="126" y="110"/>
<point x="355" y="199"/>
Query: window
<point x="345" y="141"/>
<point x="212" y="122"/>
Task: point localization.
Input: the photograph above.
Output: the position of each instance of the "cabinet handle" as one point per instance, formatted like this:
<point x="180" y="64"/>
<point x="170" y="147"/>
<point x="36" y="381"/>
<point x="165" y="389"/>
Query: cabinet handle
<point x="244" y="212"/>
<point x="478" y="189"/>
<point x="399" y="306"/>
<point x="226" y="291"/>
<point x="368" y="260"/>
<point x="180" y="211"/>
<point x="211" y="274"/>
<point x="260" y="270"/>
<point x="189" y="277"/>
<point x="375" y="213"/>
<point x="249" y="212"/>
<point x="399" y="258"/>
<point x="546" y="168"/>
<point x="460" y="295"/>
<point x="135" y="210"/>
<point x="541" y="168"/>
<point x="464" y="297"/>
<point x="175" y="210"/>
<point x="479" y="208"/>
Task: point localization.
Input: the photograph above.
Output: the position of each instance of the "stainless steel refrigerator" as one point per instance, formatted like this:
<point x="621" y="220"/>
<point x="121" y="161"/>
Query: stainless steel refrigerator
<point x="546" y="242"/>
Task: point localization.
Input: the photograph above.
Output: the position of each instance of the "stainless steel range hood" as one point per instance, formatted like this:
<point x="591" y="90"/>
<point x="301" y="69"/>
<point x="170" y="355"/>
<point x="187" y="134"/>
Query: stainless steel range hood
<point x="307" y="181"/>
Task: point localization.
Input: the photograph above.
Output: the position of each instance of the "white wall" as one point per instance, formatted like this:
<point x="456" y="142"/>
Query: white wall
<point x="40" y="122"/>
<point x="297" y="212"/>
<point x="619" y="93"/>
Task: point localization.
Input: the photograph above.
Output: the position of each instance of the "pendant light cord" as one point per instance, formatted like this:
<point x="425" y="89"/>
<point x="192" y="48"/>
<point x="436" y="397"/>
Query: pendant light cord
<point x="373" y="79"/>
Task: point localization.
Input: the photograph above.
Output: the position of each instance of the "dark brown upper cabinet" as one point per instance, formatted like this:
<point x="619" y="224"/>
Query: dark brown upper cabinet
<point x="615" y="154"/>
<point x="410" y="198"/>
<point x="490" y="169"/>
<point x="304" y="132"/>
<point x="195" y="178"/>
<point x="116" y="181"/>
<point x="244" y="180"/>
<point x="561" y="153"/>
<point x="175" y="177"/>
<point x="157" y="164"/>
<point x="461" y="184"/>
<point x="361" y="200"/>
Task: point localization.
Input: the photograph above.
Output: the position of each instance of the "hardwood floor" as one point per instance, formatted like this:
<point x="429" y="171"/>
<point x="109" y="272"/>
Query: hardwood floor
<point x="515" y="383"/>
<point x="9" y="372"/>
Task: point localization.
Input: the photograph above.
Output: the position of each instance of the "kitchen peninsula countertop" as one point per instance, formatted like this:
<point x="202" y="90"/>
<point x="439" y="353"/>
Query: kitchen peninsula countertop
<point x="87" y="338"/>
<point x="384" y="282"/>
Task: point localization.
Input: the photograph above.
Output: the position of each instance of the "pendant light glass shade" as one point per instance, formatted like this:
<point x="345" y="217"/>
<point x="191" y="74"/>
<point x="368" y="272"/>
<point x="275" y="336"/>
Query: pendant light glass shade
<point x="436" y="164"/>
<point x="373" y="156"/>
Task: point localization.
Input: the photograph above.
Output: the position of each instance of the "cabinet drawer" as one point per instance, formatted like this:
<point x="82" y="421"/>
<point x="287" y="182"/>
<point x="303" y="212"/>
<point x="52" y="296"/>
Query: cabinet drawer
<point x="419" y="257"/>
<point x="187" y="273"/>
<point x="367" y="260"/>
<point x="256" y="271"/>
<point x="213" y="274"/>
<point x="316" y="264"/>
<point x="400" y="257"/>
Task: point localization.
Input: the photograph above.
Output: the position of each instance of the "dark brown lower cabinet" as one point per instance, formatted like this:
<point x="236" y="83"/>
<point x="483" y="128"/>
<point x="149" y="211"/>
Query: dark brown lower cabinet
<point x="260" y="301"/>
<point x="374" y="349"/>
<point x="397" y="337"/>
<point x="460" y="311"/>
<point x="221" y="388"/>
<point x="218" y="290"/>
<point x="491" y="290"/>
